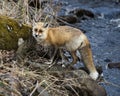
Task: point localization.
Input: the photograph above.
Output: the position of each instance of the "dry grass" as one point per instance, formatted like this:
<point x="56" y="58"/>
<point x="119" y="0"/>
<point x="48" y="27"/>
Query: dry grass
<point x="23" y="79"/>
<point x="26" y="14"/>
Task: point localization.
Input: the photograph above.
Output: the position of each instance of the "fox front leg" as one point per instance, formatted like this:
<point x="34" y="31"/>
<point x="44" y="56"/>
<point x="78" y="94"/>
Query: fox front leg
<point x="53" y="58"/>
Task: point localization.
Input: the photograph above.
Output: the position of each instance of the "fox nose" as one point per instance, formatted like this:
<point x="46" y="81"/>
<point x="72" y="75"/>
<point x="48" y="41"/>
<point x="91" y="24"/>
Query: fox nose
<point x="36" y="35"/>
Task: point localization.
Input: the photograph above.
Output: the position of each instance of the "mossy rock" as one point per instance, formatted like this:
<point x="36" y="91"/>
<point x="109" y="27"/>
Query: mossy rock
<point x="11" y="31"/>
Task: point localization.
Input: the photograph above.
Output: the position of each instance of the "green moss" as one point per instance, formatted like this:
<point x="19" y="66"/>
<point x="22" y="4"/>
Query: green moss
<point x="11" y="31"/>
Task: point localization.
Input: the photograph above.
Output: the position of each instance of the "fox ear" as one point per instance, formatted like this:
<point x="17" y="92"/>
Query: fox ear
<point x="45" y="25"/>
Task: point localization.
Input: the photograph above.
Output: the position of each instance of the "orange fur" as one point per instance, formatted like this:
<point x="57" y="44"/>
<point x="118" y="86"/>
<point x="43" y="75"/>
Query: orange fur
<point x="71" y="39"/>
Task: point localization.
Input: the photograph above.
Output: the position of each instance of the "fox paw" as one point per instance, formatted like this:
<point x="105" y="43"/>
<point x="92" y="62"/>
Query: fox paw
<point x="94" y="75"/>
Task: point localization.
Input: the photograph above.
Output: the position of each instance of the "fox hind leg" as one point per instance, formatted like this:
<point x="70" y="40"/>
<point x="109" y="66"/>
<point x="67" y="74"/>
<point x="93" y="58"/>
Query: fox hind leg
<point x="74" y="57"/>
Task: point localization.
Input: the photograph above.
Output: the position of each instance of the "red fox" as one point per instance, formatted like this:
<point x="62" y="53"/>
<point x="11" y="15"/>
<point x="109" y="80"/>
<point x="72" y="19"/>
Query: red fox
<point x="71" y="39"/>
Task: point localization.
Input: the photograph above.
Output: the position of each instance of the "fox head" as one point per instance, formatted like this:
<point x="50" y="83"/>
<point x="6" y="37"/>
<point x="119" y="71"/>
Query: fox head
<point x="39" y="31"/>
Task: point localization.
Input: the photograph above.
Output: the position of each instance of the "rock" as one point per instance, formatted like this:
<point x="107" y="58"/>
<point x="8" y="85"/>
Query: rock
<point x="68" y="18"/>
<point x="114" y="65"/>
<point x="82" y="13"/>
<point x="11" y="31"/>
<point x="78" y="83"/>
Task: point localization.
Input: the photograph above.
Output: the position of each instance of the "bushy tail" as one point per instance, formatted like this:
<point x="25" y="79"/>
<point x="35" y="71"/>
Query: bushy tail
<point x="87" y="59"/>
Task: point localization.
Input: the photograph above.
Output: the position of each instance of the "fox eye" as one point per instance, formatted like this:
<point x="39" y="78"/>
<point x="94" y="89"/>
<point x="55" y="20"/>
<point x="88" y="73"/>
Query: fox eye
<point x="35" y="29"/>
<point x="40" y="31"/>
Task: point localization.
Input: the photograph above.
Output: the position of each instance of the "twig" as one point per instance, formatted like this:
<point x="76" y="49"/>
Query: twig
<point x="110" y="83"/>
<point x="34" y="89"/>
<point x="46" y="88"/>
